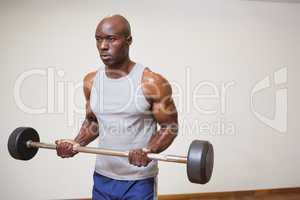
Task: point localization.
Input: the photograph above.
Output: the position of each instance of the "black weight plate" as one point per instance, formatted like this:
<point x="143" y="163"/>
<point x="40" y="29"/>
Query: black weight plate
<point x="17" y="143"/>
<point x="200" y="161"/>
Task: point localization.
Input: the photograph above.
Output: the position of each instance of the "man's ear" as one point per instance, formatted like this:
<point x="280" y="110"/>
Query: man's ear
<point x="129" y="40"/>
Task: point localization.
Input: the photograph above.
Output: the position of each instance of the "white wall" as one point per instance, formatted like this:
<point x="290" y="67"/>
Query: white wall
<point x="199" y="46"/>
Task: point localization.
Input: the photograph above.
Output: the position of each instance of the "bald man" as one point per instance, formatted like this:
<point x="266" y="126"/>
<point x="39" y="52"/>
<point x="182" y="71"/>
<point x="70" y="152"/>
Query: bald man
<point x="124" y="103"/>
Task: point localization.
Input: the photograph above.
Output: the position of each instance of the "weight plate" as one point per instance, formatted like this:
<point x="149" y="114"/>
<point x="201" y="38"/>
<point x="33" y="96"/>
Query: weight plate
<point x="200" y="161"/>
<point x="17" y="143"/>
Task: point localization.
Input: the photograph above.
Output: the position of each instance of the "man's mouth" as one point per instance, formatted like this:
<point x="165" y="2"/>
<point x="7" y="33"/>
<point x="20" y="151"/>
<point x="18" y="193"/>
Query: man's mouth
<point x="105" y="56"/>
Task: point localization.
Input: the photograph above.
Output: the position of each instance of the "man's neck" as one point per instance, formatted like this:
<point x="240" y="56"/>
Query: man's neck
<point x="120" y="70"/>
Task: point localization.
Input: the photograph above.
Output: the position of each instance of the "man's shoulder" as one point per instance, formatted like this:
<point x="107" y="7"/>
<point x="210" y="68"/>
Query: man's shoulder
<point x="155" y="85"/>
<point x="90" y="76"/>
<point x="151" y="77"/>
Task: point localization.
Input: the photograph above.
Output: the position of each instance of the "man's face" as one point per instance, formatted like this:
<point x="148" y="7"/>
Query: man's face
<point x="112" y="44"/>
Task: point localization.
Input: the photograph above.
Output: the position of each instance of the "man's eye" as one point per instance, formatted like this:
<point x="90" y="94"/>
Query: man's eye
<point x="112" y="39"/>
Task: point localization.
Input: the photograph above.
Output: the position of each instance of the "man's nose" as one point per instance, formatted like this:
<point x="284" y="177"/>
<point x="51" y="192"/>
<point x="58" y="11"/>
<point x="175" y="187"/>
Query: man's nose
<point x="104" y="45"/>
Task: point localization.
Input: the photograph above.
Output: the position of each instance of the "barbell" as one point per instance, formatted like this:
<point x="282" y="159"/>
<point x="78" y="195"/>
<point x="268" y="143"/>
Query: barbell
<point x="24" y="142"/>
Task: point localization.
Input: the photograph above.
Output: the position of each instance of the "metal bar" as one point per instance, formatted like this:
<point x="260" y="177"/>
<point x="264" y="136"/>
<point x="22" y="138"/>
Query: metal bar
<point x="93" y="150"/>
<point x="31" y="144"/>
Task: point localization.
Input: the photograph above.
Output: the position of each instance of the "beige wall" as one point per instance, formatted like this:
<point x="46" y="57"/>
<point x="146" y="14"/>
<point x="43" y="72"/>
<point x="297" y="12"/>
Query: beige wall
<point x="215" y="53"/>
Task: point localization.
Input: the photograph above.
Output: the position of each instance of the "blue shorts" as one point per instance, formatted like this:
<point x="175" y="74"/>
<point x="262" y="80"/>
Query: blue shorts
<point x="110" y="189"/>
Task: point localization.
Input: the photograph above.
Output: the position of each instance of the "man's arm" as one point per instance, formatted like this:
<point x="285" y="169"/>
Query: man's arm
<point x="89" y="129"/>
<point x="158" y="92"/>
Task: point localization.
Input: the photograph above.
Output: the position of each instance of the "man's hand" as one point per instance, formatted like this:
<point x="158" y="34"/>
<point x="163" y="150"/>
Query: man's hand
<point x="64" y="148"/>
<point x="138" y="157"/>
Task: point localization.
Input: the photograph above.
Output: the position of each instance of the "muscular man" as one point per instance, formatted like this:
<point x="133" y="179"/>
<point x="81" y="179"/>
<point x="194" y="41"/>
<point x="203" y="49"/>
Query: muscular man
<point x="124" y="103"/>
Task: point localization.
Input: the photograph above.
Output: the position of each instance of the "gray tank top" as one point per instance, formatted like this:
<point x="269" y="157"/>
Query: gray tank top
<point x="125" y="123"/>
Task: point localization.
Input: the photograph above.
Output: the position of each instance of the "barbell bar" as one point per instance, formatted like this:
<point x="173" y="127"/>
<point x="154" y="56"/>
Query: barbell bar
<point x="24" y="142"/>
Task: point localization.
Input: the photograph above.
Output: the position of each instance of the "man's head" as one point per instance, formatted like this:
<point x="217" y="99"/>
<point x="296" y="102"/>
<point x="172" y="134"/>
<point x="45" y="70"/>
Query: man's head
<point x="113" y="36"/>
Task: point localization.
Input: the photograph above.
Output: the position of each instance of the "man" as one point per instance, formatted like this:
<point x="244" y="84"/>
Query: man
<point x="124" y="103"/>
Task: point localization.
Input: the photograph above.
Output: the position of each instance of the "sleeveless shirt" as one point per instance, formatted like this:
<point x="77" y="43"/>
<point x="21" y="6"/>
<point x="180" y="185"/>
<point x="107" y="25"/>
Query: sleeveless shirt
<point x="125" y="123"/>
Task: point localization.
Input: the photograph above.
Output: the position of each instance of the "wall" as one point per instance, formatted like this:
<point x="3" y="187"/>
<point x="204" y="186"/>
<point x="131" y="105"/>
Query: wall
<point x="233" y="65"/>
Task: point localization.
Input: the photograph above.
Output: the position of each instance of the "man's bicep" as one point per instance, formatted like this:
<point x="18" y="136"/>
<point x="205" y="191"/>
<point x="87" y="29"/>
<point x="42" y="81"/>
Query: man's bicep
<point x="91" y="121"/>
<point x="89" y="112"/>
<point x="87" y="87"/>
<point x="87" y="84"/>
<point x="163" y="107"/>
<point x="159" y="92"/>
<point x="165" y="114"/>
<point x="165" y="111"/>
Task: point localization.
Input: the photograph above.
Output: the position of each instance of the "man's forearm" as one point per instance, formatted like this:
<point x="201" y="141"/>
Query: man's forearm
<point x="163" y="138"/>
<point x="89" y="131"/>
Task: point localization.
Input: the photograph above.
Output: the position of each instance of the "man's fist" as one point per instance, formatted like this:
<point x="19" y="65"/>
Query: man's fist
<point x="64" y="148"/>
<point x="138" y="157"/>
